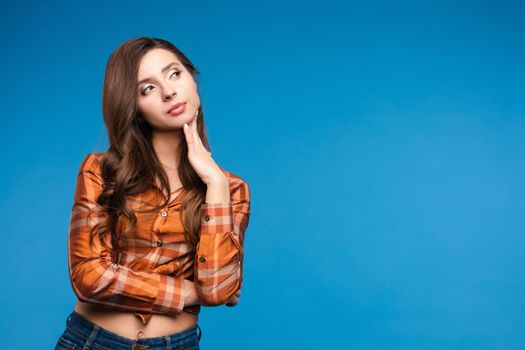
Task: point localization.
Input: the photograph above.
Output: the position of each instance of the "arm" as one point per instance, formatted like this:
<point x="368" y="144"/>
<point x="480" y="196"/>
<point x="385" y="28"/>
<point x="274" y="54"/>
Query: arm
<point x="94" y="277"/>
<point x="219" y="256"/>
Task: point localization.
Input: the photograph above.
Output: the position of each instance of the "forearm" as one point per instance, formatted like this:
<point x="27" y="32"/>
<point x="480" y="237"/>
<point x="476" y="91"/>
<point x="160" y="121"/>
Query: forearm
<point x="219" y="254"/>
<point x="218" y="191"/>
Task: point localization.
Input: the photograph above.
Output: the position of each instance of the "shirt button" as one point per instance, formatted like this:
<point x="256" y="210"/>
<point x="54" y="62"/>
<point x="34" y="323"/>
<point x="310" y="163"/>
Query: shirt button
<point x="159" y="243"/>
<point x="202" y="259"/>
<point x="164" y="213"/>
<point x="207" y="217"/>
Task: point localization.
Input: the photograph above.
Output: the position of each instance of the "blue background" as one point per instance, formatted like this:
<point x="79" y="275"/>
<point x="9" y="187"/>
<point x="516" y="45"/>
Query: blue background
<point x="383" y="144"/>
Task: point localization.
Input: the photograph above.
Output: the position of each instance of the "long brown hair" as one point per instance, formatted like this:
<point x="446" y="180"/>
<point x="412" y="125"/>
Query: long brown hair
<point x="130" y="166"/>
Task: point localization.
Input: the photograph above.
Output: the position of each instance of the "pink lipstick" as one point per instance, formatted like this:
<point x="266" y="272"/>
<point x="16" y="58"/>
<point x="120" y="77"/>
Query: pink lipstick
<point x="177" y="108"/>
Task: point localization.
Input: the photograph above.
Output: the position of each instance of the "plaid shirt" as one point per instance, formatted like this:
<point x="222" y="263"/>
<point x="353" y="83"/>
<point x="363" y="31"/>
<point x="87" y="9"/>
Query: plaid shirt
<point x="156" y="261"/>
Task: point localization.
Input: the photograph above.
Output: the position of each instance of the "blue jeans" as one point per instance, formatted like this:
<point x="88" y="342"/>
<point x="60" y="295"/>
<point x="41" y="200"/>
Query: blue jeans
<point x="81" y="333"/>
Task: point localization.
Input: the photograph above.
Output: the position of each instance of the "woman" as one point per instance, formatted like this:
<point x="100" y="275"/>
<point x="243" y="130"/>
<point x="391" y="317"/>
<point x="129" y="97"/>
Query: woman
<point x="157" y="227"/>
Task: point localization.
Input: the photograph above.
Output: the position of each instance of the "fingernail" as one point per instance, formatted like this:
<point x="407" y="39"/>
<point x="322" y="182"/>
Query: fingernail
<point x="185" y="125"/>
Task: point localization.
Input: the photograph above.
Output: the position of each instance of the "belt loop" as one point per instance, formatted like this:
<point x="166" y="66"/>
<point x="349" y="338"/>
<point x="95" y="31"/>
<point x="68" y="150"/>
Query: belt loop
<point x="92" y="336"/>
<point x="168" y="342"/>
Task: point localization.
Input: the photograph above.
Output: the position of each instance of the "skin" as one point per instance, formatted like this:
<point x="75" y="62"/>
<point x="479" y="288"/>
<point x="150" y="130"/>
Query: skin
<point x="155" y="97"/>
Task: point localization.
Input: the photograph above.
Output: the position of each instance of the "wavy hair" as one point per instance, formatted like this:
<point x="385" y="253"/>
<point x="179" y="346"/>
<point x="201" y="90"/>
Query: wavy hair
<point x="130" y="166"/>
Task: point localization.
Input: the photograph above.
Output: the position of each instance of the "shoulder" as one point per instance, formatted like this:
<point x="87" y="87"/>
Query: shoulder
<point x="91" y="162"/>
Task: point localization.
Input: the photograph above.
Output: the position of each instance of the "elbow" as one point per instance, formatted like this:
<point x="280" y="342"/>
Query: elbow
<point x="216" y="294"/>
<point x="85" y="283"/>
<point x="80" y="285"/>
<point x="81" y="289"/>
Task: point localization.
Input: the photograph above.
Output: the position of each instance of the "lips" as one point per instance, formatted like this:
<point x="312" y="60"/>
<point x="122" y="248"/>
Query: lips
<point x="177" y="108"/>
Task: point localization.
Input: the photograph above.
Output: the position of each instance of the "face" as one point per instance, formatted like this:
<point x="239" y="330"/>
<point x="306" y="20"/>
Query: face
<point x="163" y="82"/>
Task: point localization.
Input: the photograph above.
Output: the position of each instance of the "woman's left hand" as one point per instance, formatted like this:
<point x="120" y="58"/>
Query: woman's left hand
<point x="234" y="299"/>
<point x="199" y="157"/>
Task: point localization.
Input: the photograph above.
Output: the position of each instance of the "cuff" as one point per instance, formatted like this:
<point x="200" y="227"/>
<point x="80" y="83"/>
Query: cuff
<point x="171" y="294"/>
<point x="216" y="218"/>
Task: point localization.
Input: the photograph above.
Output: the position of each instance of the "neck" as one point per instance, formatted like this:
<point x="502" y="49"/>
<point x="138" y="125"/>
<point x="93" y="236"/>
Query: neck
<point x="166" y="145"/>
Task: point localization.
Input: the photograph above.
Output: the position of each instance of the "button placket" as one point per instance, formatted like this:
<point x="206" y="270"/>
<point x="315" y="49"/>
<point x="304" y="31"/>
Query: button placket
<point x="156" y="242"/>
<point x="164" y="213"/>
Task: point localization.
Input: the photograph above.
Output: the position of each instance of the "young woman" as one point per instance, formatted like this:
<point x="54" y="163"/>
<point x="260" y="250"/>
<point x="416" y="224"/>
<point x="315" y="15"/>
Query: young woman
<point x="157" y="227"/>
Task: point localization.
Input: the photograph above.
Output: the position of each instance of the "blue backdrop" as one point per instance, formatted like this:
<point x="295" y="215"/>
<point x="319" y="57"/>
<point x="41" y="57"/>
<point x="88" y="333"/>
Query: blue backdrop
<point x="383" y="144"/>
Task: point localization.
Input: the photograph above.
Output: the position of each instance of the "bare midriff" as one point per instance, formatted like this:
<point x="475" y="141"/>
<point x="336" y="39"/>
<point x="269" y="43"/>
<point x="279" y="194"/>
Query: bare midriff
<point x="129" y="325"/>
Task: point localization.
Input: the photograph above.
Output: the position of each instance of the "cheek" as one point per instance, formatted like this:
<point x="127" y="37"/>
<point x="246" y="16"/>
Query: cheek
<point x="194" y="96"/>
<point x="146" y="107"/>
<point x="197" y="100"/>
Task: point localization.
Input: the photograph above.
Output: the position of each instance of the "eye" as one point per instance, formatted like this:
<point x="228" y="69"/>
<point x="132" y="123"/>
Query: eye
<point x="146" y="89"/>
<point x="143" y="92"/>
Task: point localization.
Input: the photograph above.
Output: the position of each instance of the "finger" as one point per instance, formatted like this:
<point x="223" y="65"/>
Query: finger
<point x="195" y="134"/>
<point x="193" y="124"/>
<point x="196" y="137"/>
<point x="232" y="301"/>
<point x="189" y="137"/>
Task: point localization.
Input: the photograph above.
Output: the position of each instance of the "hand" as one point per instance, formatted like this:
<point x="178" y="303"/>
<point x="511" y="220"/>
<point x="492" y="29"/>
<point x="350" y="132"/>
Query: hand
<point x="198" y="156"/>
<point x="234" y="300"/>
<point x="192" y="298"/>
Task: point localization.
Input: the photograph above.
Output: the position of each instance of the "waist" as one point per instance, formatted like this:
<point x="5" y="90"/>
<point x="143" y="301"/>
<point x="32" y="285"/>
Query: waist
<point x="128" y="325"/>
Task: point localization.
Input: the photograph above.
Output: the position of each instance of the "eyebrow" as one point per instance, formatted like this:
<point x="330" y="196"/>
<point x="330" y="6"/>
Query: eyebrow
<point x="162" y="71"/>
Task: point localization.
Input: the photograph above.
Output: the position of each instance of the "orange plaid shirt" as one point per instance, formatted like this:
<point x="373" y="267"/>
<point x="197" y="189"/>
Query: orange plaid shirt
<point x="156" y="261"/>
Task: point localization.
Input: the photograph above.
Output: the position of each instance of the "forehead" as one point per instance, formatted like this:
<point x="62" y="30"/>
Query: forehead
<point x="153" y="61"/>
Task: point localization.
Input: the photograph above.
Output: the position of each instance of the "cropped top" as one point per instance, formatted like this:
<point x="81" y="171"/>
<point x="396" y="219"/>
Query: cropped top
<point x="156" y="262"/>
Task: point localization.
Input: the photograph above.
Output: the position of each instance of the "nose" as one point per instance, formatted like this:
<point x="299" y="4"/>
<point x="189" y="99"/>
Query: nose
<point x="169" y="92"/>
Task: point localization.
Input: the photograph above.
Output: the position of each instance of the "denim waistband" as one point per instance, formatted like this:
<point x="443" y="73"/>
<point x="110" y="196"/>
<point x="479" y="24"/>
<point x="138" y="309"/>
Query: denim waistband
<point x="91" y="332"/>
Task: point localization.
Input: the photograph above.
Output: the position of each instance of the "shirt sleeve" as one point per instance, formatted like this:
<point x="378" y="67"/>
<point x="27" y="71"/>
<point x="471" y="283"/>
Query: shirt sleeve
<point x="220" y="251"/>
<point x="94" y="276"/>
